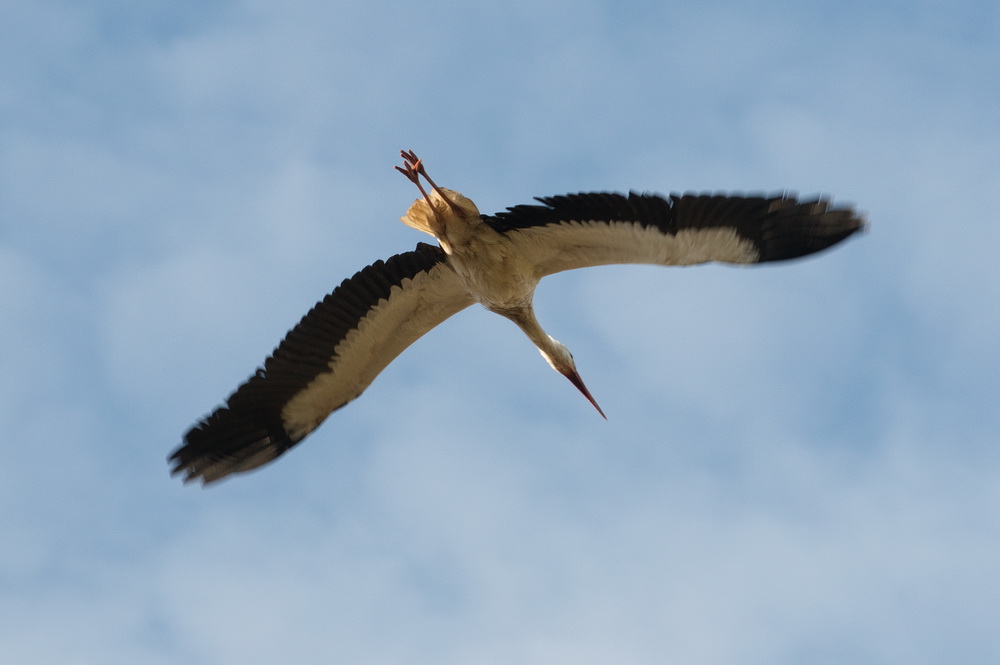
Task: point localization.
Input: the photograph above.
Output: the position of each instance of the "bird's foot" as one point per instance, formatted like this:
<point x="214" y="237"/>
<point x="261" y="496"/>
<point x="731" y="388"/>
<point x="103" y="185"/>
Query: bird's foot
<point x="413" y="169"/>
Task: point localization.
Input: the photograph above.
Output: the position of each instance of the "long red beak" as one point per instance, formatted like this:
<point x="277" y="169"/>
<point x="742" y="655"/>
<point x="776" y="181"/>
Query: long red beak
<point x="574" y="378"/>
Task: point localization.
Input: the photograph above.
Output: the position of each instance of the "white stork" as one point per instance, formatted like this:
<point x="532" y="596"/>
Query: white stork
<point x="342" y="344"/>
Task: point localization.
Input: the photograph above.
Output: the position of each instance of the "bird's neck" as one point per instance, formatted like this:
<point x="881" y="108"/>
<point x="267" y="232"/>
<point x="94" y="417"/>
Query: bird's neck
<point x="525" y="319"/>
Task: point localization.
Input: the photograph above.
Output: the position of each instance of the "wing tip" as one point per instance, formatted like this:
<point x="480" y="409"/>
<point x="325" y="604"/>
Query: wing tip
<point x="799" y="227"/>
<point x="226" y="443"/>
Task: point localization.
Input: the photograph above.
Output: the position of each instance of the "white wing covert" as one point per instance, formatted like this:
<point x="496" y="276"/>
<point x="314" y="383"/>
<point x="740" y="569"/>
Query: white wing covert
<point x="583" y="230"/>
<point x="324" y="362"/>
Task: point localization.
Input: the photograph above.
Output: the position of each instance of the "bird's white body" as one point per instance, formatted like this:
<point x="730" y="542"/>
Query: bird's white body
<point x="487" y="263"/>
<point x="341" y="345"/>
<point x="494" y="269"/>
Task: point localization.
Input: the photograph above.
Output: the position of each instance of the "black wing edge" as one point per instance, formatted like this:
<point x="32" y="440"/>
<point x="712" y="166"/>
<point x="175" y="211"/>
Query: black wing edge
<point x="247" y="431"/>
<point x="780" y="225"/>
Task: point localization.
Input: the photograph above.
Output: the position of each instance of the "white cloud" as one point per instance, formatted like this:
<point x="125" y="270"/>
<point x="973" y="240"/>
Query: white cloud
<point x="799" y="463"/>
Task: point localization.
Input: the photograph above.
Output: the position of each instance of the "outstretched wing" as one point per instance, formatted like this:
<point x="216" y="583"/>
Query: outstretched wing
<point x="324" y="362"/>
<point x="581" y="230"/>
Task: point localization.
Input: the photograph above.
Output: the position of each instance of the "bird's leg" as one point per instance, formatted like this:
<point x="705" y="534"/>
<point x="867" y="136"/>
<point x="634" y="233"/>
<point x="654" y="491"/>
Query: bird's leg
<point x="413" y="168"/>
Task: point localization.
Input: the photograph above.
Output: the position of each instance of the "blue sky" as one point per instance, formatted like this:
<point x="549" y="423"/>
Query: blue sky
<point x="800" y="463"/>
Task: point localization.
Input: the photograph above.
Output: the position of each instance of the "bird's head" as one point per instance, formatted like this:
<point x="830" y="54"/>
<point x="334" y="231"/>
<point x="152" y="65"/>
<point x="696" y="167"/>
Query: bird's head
<point x="561" y="360"/>
<point x="434" y="213"/>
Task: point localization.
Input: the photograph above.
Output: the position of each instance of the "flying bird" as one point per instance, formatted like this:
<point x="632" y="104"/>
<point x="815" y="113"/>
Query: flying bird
<point x="342" y="344"/>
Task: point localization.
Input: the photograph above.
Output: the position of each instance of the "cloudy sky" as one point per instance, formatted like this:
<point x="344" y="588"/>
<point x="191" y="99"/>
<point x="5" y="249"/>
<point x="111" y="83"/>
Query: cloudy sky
<point x="801" y="462"/>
